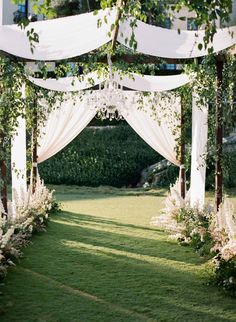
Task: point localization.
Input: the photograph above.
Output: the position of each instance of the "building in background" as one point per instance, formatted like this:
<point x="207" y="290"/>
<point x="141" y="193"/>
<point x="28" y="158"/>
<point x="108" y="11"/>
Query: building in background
<point x="11" y="13"/>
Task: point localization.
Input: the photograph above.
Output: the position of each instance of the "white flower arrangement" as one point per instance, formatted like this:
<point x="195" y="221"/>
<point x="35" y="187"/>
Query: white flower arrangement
<point x="223" y="231"/>
<point x="167" y="220"/>
<point x="29" y="212"/>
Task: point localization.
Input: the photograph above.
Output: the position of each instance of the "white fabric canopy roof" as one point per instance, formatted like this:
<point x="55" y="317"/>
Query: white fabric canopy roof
<point x="167" y="43"/>
<point x="76" y="35"/>
<point x="59" y="38"/>
<point x="137" y="82"/>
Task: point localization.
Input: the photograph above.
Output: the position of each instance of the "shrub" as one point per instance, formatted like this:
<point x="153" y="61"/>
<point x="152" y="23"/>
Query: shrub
<point x="112" y="156"/>
<point x="225" y="274"/>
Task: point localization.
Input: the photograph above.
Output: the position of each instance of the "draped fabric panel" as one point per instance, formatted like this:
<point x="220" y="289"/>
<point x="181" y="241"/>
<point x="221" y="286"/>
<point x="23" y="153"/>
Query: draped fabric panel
<point x="69" y="84"/>
<point x="154" y="126"/>
<point x="147" y="83"/>
<point x="76" y="35"/>
<point x="137" y="82"/>
<point x="59" y="38"/>
<point x="62" y="126"/>
<point x="66" y="122"/>
<point x="169" y="43"/>
<point x="18" y="160"/>
<point x="198" y="154"/>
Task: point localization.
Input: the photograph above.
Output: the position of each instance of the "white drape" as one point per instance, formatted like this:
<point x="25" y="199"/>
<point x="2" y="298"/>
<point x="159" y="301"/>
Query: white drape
<point x="155" y="123"/>
<point x="62" y="126"/>
<point x="18" y="159"/>
<point x="199" y="150"/>
<point x="147" y="83"/>
<point x="59" y="38"/>
<point x="167" y="43"/>
<point x="137" y="82"/>
<point x="69" y="84"/>
<point x="76" y="35"/>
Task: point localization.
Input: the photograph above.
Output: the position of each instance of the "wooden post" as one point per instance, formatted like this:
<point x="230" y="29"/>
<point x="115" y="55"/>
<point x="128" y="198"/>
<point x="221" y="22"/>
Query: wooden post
<point x="3" y="171"/>
<point x="182" y="153"/>
<point x="34" y="160"/>
<point x="34" y="147"/>
<point x="219" y="134"/>
<point x="120" y="4"/>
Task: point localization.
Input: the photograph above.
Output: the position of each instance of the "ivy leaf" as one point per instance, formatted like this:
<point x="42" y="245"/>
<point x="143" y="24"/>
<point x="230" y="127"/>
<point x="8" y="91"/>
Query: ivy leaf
<point x="200" y="46"/>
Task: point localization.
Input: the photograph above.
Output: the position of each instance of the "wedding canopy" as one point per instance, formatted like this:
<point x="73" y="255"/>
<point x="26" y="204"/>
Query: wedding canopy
<point x="151" y="122"/>
<point x="72" y="36"/>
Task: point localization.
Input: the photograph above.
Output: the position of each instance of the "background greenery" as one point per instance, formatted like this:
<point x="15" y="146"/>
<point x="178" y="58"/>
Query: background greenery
<point x="116" y="156"/>
<point x="229" y="162"/>
<point x="112" y="156"/>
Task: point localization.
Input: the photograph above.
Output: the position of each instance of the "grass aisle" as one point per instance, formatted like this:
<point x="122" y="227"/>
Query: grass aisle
<point x="101" y="261"/>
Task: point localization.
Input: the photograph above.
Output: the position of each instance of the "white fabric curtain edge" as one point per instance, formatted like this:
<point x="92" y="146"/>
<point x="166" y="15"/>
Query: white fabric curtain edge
<point x="198" y="152"/>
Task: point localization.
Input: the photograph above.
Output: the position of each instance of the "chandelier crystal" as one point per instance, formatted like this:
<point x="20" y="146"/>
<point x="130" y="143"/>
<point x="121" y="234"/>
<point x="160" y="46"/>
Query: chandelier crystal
<point x="109" y="100"/>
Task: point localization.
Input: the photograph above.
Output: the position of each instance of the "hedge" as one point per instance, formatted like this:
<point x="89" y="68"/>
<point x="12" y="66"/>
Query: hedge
<point x="111" y="155"/>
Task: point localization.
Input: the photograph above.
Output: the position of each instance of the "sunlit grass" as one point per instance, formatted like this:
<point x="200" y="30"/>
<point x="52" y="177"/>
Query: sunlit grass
<point x="101" y="261"/>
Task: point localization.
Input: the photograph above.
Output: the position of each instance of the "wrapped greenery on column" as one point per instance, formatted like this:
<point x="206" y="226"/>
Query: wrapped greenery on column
<point x="11" y="106"/>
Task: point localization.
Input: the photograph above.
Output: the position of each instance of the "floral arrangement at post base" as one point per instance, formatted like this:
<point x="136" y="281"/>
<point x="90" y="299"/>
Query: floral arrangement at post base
<point x="28" y="214"/>
<point x="223" y="232"/>
<point x="211" y="234"/>
<point x="189" y="225"/>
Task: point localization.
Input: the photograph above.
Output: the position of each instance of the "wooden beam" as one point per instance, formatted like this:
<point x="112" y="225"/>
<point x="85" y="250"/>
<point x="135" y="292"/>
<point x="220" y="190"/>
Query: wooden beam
<point x="120" y="5"/>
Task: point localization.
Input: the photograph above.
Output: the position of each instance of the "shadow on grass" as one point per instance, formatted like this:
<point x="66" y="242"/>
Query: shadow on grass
<point x="101" y="273"/>
<point x="68" y="216"/>
<point x="103" y="192"/>
<point x="102" y="232"/>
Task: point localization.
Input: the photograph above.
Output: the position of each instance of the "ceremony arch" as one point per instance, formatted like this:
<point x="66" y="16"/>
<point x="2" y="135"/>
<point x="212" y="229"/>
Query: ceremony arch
<point x="64" y="38"/>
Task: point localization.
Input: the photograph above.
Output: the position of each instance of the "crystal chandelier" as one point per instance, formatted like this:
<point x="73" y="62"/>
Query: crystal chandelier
<point x="109" y="100"/>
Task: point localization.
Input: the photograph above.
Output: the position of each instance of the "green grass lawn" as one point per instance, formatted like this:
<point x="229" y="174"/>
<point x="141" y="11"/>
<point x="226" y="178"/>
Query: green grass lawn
<point x="100" y="260"/>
